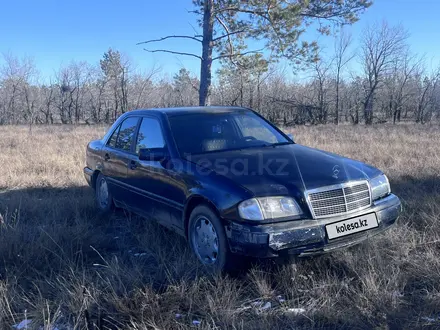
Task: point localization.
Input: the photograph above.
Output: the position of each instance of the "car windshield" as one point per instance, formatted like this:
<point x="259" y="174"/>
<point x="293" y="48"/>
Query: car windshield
<point x="214" y="132"/>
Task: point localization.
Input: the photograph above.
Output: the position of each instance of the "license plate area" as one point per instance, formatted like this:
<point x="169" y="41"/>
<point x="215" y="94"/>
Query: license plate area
<point x="351" y="226"/>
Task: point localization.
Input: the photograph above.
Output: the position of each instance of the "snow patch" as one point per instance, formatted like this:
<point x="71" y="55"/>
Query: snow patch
<point x="430" y="319"/>
<point x="296" y="311"/>
<point x="26" y="325"/>
<point x="266" y="306"/>
<point x="22" y="325"/>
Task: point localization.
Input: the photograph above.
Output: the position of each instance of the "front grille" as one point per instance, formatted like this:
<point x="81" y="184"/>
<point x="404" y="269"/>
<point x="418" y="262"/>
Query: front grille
<point x="339" y="199"/>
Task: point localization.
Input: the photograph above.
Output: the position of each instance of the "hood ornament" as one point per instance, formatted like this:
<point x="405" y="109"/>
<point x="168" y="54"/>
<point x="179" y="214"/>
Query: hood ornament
<point x="336" y="170"/>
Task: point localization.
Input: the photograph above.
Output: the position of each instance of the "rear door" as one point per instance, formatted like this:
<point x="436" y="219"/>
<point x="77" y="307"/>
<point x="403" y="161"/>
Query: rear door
<point x="118" y="152"/>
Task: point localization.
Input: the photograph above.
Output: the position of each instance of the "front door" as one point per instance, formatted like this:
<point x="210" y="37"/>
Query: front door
<point x="153" y="181"/>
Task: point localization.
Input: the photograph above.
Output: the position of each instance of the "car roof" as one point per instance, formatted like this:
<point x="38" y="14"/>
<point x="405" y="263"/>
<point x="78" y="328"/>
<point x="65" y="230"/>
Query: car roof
<point x="189" y="110"/>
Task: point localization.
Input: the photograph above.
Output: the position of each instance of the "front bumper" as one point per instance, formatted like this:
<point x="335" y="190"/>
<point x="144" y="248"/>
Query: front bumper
<point x="306" y="237"/>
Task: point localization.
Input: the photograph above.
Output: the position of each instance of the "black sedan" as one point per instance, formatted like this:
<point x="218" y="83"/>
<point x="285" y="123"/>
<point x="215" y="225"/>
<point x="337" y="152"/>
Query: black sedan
<point x="232" y="183"/>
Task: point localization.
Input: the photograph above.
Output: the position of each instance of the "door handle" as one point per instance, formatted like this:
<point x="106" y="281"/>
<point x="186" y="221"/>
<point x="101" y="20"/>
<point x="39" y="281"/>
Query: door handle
<point x="106" y="157"/>
<point x="132" y="164"/>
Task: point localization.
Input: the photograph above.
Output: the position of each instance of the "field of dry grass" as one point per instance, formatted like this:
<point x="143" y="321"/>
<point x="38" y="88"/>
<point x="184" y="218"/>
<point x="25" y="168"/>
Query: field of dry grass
<point x="63" y="265"/>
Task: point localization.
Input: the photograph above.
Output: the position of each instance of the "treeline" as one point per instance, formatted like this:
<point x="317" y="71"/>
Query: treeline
<point x="383" y="81"/>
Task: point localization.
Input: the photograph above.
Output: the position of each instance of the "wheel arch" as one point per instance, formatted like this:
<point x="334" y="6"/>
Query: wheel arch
<point x="94" y="177"/>
<point x="192" y="203"/>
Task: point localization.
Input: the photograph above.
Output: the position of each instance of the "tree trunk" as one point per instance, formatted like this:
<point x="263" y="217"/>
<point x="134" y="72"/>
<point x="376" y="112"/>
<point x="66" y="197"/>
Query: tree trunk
<point x="258" y="93"/>
<point x="337" y="100"/>
<point x="115" y="94"/>
<point x="207" y="45"/>
<point x="241" y="89"/>
<point x="124" y="91"/>
<point x="251" y="96"/>
<point x="368" y="108"/>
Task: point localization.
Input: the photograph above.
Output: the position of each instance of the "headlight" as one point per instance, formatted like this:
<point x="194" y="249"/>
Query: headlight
<point x="268" y="208"/>
<point x="380" y="187"/>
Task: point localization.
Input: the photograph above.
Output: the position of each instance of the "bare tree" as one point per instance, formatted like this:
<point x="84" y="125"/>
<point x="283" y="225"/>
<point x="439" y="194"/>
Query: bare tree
<point x="403" y="69"/>
<point x="65" y="97"/>
<point x="380" y="47"/>
<point x="141" y="87"/>
<point x="17" y="75"/>
<point x="426" y="99"/>
<point x="394" y="82"/>
<point x="342" y="58"/>
<point x="319" y="102"/>
<point x="47" y="98"/>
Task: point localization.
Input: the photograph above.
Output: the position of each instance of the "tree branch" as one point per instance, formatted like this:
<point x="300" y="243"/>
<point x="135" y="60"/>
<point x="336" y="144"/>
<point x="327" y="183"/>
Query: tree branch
<point x="242" y="10"/>
<point x="260" y="13"/>
<point x="240" y="54"/>
<point x="169" y="37"/>
<point x="228" y="35"/>
<point x="172" y="52"/>
<point x="231" y="46"/>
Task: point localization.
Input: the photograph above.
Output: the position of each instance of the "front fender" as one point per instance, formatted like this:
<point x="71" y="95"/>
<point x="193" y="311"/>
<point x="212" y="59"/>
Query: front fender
<point x="224" y="202"/>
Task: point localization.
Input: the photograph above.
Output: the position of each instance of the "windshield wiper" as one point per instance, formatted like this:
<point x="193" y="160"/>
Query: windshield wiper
<point x="279" y="144"/>
<point x="230" y="149"/>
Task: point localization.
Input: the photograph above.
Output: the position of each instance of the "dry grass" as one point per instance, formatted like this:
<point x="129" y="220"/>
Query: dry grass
<point x="60" y="263"/>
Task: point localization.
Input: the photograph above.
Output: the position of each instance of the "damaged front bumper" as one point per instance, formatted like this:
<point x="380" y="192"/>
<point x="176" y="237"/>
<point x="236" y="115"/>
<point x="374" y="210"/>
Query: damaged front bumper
<point x="308" y="236"/>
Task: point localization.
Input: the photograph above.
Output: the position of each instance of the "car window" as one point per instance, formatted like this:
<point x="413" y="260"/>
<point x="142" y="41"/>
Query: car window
<point x="126" y="133"/>
<point x="251" y="126"/>
<point x="219" y="131"/>
<point x="150" y="135"/>
<point x="112" y="141"/>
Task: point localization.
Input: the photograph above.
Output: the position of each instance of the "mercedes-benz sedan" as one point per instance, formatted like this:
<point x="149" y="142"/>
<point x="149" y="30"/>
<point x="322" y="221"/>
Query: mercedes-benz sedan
<point x="232" y="183"/>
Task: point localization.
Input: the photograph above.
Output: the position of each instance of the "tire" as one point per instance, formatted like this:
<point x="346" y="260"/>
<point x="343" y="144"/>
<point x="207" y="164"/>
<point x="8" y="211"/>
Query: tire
<point x="103" y="197"/>
<point x="207" y="239"/>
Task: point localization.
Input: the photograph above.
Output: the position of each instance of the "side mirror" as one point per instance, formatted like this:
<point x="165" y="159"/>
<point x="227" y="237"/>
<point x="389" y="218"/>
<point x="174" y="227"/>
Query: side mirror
<point x="154" y="154"/>
<point x="290" y="136"/>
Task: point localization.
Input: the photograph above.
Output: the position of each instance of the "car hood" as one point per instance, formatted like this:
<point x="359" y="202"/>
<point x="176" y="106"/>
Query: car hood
<point x="284" y="170"/>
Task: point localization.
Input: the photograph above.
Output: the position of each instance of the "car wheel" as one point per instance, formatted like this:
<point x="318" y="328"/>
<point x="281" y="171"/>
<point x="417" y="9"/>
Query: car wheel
<point x="104" y="199"/>
<point x="207" y="239"/>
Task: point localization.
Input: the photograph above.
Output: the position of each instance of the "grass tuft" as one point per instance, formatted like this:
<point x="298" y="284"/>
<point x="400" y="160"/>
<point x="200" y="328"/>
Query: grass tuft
<point x="63" y="265"/>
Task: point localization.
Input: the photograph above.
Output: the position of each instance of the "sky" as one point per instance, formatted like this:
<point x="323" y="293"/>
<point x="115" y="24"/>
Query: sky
<point x="55" y="32"/>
